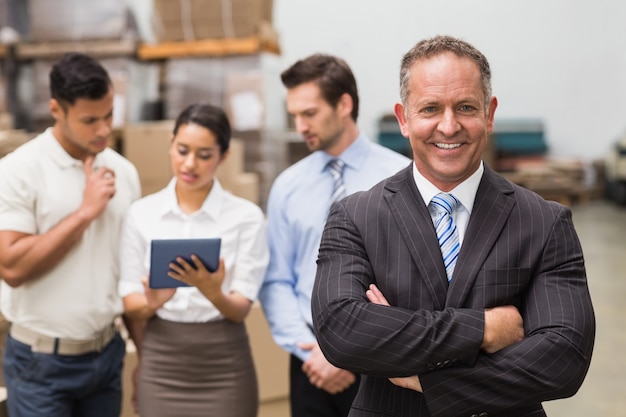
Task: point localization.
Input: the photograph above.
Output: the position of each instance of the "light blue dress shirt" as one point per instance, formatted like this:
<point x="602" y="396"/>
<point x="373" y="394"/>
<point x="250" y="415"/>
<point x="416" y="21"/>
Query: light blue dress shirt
<point x="297" y="208"/>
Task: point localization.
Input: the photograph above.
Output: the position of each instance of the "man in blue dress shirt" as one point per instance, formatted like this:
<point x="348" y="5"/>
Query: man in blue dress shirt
<point x="322" y="98"/>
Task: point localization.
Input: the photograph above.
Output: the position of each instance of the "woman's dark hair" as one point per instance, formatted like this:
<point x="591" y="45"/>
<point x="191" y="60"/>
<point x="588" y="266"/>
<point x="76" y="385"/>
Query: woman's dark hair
<point x="77" y="75"/>
<point x="209" y="116"/>
<point x="332" y="74"/>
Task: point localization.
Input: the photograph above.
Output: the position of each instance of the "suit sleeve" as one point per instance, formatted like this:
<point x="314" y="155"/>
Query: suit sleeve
<point x="552" y="360"/>
<point x="377" y="340"/>
<point x="549" y="363"/>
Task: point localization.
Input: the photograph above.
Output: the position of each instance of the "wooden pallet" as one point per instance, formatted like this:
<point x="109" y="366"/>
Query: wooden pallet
<point x="96" y="48"/>
<point x="206" y="47"/>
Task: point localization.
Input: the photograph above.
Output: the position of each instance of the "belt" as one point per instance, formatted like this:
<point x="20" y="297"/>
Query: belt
<point x="53" y="345"/>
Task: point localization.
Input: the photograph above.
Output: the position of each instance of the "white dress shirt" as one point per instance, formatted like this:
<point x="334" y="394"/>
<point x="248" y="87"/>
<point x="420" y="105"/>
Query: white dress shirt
<point x="465" y="192"/>
<point x="238" y="222"/>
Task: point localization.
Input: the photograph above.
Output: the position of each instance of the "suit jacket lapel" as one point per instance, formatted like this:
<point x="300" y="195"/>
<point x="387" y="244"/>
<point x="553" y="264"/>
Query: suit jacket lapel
<point x="416" y="227"/>
<point x="492" y="207"/>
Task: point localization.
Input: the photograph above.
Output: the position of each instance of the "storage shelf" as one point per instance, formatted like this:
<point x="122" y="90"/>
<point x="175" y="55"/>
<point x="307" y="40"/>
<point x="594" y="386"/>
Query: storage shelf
<point x="144" y="51"/>
<point x="206" y="47"/>
<point x="97" y="48"/>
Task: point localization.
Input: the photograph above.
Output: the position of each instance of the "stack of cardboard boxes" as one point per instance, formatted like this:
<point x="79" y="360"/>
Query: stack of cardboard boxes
<point x="187" y="20"/>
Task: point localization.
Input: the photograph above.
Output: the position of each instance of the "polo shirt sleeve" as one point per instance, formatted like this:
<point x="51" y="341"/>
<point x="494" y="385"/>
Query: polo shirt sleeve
<point x="17" y="196"/>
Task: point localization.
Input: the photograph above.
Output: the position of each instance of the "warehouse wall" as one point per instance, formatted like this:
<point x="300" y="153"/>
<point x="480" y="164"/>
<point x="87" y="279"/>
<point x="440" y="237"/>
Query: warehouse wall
<point x="558" y="60"/>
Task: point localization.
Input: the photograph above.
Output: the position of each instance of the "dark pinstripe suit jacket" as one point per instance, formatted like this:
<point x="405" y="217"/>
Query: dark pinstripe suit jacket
<point x="518" y="249"/>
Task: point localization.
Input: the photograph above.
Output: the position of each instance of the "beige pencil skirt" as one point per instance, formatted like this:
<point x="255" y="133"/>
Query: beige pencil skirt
<point x="197" y="369"/>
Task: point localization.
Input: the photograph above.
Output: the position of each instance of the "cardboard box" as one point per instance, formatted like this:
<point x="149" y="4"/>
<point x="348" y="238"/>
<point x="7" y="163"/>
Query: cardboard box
<point x="147" y="144"/>
<point x="11" y="140"/>
<point x="3" y="93"/>
<point x="6" y="121"/>
<point x="244" y="100"/>
<point x="187" y="20"/>
<point x="271" y="362"/>
<point x="244" y="185"/>
<point x="130" y="363"/>
<point x="234" y="164"/>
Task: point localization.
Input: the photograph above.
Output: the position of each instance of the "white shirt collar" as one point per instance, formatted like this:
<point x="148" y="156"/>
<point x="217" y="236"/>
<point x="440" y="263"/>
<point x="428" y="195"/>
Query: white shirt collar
<point x="465" y="192"/>
<point x="211" y="205"/>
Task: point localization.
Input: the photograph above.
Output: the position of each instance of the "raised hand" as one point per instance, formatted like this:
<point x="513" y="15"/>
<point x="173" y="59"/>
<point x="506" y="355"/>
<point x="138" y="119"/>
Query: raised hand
<point x="99" y="189"/>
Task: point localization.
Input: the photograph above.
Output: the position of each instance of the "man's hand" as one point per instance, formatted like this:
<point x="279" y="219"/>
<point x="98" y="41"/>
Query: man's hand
<point x="99" y="189"/>
<point x="410" y="382"/>
<point x="504" y="327"/>
<point x="322" y="373"/>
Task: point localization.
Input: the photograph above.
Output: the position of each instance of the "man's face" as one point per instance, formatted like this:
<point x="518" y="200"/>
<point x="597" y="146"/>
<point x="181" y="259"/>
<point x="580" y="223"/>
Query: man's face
<point x="320" y="124"/>
<point x="83" y="128"/>
<point x="446" y="119"/>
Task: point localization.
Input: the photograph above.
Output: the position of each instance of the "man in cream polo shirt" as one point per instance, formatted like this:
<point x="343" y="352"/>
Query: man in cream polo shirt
<point x="62" y="199"/>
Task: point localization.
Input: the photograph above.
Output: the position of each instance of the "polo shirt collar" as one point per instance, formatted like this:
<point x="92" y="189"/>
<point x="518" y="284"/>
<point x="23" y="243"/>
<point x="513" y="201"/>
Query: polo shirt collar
<point x="60" y="156"/>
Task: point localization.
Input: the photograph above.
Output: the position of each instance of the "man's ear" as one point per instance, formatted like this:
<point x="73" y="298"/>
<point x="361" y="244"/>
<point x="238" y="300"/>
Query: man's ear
<point x="56" y="109"/>
<point x="345" y="105"/>
<point x="400" y="113"/>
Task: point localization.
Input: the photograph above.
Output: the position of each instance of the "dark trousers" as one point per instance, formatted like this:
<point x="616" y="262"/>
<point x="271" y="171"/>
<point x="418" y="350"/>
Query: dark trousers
<point x="309" y="401"/>
<point x="40" y="384"/>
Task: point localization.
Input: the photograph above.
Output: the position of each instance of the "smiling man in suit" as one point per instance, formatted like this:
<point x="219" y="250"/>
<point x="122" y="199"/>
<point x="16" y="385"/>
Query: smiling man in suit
<point x="492" y="323"/>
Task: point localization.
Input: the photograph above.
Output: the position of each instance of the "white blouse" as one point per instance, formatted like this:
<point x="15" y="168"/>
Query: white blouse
<point x="238" y="222"/>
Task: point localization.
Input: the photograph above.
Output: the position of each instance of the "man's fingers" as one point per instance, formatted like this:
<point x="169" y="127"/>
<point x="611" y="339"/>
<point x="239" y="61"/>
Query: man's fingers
<point x="375" y="296"/>
<point x="88" y="165"/>
<point x="108" y="173"/>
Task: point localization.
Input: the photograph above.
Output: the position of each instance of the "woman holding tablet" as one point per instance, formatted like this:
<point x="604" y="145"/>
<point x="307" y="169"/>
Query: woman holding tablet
<point x="194" y="353"/>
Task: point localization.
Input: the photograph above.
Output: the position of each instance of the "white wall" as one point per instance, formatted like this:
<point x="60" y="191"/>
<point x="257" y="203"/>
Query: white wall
<point x="563" y="61"/>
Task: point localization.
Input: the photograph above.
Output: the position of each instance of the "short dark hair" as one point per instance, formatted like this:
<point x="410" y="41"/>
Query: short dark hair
<point x="211" y="117"/>
<point x="77" y="75"/>
<point x="428" y="48"/>
<point x="332" y="74"/>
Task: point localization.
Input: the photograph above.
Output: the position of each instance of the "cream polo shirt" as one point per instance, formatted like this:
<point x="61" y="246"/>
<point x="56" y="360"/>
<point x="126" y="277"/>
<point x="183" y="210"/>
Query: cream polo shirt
<point x="40" y="185"/>
<point x="238" y="222"/>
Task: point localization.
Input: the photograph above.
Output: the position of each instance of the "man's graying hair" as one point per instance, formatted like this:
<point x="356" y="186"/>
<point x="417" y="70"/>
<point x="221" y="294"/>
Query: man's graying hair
<point x="436" y="45"/>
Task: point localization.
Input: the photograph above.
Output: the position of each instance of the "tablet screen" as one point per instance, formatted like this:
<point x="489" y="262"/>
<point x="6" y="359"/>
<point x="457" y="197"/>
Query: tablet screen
<point x="165" y="251"/>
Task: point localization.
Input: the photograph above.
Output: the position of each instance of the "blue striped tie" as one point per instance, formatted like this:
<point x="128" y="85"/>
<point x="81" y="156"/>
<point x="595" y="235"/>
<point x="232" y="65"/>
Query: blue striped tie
<point x="447" y="234"/>
<point x="335" y="167"/>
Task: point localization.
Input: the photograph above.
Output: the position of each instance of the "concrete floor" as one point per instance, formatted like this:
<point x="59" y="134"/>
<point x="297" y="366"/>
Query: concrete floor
<point x="601" y="227"/>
